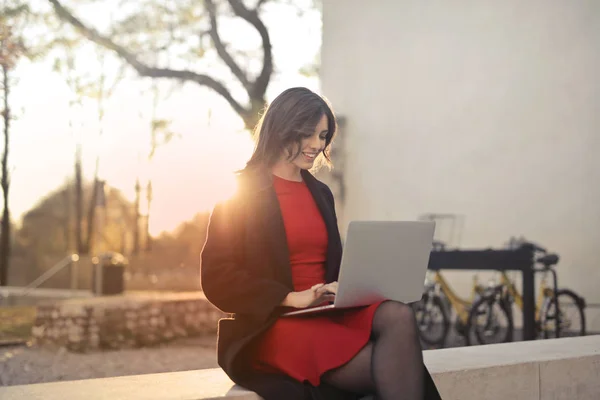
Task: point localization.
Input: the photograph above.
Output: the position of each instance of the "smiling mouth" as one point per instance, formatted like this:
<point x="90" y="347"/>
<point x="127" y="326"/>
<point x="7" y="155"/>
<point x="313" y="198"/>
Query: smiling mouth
<point x="310" y="156"/>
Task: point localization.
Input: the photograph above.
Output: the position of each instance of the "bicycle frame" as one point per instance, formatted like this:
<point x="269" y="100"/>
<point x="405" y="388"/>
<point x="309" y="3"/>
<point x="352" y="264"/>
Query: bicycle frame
<point x="545" y="294"/>
<point x="460" y="305"/>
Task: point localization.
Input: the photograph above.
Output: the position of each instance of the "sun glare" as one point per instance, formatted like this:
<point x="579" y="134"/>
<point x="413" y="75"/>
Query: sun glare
<point x="188" y="175"/>
<point x="200" y="173"/>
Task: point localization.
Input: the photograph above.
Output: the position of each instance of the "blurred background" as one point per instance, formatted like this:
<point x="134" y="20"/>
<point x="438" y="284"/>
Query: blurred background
<point x="104" y="157"/>
<point x="123" y="122"/>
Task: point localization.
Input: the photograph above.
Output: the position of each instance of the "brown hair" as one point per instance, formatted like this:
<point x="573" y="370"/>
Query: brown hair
<point x="292" y="116"/>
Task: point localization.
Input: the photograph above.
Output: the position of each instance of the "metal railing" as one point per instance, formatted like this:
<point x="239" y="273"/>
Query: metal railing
<point x="59" y="266"/>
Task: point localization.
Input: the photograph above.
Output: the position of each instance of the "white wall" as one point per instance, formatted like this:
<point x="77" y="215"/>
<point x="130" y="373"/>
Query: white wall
<point x="489" y="109"/>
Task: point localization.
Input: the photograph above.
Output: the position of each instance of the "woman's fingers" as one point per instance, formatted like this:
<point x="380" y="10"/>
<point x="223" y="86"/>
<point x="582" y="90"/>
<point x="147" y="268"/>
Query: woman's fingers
<point x="329" y="297"/>
<point x="317" y="286"/>
<point x="330" y="287"/>
<point x="322" y="290"/>
<point x="325" y="292"/>
<point x="323" y="298"/>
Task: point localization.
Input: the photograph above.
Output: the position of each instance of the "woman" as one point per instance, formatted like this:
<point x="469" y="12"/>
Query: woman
<point x="274" y="246"/>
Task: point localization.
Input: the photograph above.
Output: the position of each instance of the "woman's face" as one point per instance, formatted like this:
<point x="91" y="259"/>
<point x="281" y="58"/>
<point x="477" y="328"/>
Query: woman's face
<point x="311" y="146"/>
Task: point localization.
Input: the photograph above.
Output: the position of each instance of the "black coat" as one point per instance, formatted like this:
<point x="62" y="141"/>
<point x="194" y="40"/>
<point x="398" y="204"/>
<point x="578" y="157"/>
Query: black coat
<point x="246" y="272"/>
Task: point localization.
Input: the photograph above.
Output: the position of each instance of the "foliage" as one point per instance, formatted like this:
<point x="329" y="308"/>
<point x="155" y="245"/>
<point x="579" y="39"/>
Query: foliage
<point x="178" y="249"/>
<point x="173" y="39"/>
<point x="45" y="235"/>
<point x="46" y="230"/>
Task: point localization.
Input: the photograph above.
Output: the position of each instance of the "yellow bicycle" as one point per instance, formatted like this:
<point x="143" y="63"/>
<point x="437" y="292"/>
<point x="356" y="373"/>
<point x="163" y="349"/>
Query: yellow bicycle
<point x="567" y="322"/>
<point x="558" y="312"/>
<point x="440" y="302"/>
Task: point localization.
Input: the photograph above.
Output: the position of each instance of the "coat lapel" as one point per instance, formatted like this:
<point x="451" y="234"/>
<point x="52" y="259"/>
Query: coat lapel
<point x="332" y="263"/>
<point x="268" y="205"/>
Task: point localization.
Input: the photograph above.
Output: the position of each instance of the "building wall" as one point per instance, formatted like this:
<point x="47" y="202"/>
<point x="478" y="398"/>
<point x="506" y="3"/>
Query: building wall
<point x="490" y="110"/>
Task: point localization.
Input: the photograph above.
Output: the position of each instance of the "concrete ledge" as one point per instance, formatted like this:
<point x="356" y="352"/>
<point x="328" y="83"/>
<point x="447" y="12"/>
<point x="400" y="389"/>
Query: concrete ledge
<point x="187" y="385"/>
<point x="553" y="369"/>
<point x="542" y="370"/>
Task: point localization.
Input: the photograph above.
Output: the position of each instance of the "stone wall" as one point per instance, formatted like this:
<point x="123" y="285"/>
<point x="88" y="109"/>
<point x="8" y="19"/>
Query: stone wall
<point x="134" y="319"/>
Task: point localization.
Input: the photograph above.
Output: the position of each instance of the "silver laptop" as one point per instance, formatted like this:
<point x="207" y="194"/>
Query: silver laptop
<point x="382" y="260"/>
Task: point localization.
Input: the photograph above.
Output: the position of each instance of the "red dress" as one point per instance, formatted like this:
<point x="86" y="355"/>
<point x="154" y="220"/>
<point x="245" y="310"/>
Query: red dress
<point x="305" y="347"/>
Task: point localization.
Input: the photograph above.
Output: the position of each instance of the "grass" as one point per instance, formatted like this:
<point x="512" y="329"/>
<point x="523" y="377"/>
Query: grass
<point x="16" y="322"/>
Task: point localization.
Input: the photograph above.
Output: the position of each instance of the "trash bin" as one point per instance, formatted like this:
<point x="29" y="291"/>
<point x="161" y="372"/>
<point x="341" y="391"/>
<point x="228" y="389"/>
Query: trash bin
<point x="108" y="276"/>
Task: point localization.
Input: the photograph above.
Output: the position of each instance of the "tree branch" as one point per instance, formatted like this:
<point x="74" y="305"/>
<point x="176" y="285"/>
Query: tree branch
<point x="220" y="47"/>
<point x="143" y="69"/>
<point x="260" y="3"/>
<point x="259" y="87"/>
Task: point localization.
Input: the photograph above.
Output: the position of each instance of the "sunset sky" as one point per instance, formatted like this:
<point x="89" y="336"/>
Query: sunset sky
<point x="188" y="175"/>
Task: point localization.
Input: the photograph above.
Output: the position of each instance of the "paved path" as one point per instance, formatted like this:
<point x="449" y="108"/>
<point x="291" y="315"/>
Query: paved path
<point x="21" y="365"/>
<point x="24" y="364"/>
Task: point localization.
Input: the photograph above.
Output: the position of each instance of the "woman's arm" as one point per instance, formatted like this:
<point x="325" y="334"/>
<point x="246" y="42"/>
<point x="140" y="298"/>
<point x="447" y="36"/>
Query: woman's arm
<point x="226" y="280"/>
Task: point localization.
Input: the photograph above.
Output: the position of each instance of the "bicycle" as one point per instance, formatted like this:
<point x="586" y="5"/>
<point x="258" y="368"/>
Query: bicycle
<point x="547" y="303"/>
<point x="439" y="300"/>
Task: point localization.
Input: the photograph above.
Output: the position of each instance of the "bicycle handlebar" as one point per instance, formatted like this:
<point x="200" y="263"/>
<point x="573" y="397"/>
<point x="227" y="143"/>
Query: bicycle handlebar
<point x="538" y="248"/>
<point x="515" y="243"/>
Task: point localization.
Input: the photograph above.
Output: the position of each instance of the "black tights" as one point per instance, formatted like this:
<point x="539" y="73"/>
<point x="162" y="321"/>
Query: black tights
<point x="391" y="364"/>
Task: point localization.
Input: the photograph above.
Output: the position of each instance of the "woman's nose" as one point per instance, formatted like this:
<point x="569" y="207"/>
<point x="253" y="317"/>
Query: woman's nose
<point x="315" y="142"/>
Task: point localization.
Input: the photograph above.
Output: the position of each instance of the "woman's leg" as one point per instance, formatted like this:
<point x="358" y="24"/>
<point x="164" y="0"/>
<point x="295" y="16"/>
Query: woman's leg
<point x="392" y="364"/>
<point x="397" y="362"/>
<point x="355" y="375"/>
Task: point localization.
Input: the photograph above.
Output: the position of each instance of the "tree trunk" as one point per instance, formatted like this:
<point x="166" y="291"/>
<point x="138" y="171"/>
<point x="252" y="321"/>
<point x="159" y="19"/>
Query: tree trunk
<point x="67" y="201"/>
<point x="5" y="233"/>
<point x="91" y="217"/>
<point x="136" y="222"/>
<point x="79" y="203"/>
<point x="89" y="239"/>
<point x="148" y="246"/>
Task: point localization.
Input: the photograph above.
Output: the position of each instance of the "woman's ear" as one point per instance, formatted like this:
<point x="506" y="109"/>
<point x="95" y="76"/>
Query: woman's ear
<point x="290" y="151"/>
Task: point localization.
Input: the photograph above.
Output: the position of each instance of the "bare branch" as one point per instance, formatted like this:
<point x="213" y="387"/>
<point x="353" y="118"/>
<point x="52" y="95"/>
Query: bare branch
<point x="143" y="69"/>
<point x="260" y="3"/>
<point x="259" y="86"/>
<point x="118" y="78"/>
<point x="220" y="46"/>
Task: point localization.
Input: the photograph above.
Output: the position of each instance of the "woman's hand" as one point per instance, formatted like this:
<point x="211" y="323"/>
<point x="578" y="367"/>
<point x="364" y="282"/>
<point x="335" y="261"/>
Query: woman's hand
<point x="331" y="287"/>
<point x="316" y="295"/>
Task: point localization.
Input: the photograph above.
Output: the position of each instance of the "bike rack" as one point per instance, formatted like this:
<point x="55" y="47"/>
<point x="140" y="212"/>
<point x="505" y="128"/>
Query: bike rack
<point x="521" y="259"/>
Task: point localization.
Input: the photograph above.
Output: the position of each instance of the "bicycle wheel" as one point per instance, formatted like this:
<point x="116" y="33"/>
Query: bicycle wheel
<point x="432" y="320"/>
<point x="571" y="317"/>
<point x="490" y="320"/>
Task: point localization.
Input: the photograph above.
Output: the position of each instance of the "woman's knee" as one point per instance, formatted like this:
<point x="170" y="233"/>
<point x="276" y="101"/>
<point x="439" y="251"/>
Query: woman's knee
<point x="393" y="314"/>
